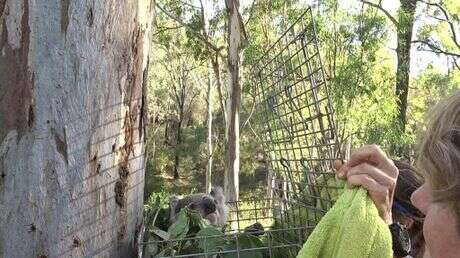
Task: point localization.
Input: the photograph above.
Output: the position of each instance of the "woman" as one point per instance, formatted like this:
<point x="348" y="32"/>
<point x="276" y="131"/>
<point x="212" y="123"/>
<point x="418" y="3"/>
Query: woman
<point x="438" y="198"/>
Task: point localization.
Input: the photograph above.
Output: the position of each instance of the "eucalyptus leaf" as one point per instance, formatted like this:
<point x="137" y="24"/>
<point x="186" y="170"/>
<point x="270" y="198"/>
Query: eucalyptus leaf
<point x="246" y="242"/>
<point x="180" y="227"/>
<point x="196" y="219"/>
<point x="162" y="234"/>
<point x="164" y="252"/>
<point x="211" y="239"/>
<point x="151" y="249"/>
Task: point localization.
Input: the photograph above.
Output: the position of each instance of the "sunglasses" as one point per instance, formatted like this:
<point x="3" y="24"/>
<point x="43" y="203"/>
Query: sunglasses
<point x="407" y="210"/>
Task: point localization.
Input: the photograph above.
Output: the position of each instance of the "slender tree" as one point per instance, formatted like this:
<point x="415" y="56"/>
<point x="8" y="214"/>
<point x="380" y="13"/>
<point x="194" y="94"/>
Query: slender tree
<point x="183" y="92"/>
<point x="236" y="42"/>
<point x="209" y="137"/>
<point x="404" y="24"/>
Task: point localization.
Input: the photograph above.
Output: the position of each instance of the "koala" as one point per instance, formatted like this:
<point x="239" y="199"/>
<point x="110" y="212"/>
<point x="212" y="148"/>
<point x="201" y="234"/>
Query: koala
<point x="202" y="203"/>
<point x="211" y="206"/>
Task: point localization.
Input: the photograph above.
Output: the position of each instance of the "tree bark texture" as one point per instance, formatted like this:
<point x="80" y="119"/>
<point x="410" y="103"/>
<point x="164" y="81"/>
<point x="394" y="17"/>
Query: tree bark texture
<point x="231" y="184"/>
<point x="404" y="39"/>
<point x="72" y="126"/>
<point x="216" y="69"/>
<point x="178" y="146"/>
<point x="209" y="138"/>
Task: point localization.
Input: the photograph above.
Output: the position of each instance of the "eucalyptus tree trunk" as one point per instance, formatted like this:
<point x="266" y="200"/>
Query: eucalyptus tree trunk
<point x="231" y="181"/>
<point x="72" y="91"/>
<point x="404" y="40"/>
<point x="209" y="138"/>
<point x="177" y="151"/>
<point x="216" y="69"/>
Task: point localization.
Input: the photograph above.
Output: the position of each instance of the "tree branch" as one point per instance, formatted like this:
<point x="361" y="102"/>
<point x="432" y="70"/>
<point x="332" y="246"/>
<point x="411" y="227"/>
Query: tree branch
<point x="250" y="113"/>
<point x="216" y="68"/>
<point x="163" y="29"/>
<point x="379" y="6"/>
<point x="189" y="4"/>
<point x="447" y="19"/>
<point x="437" y="18"/>
<point x="201" y="37"/>
<point x="251" y="11"/>
<point x="203" y="20"/>
<point x="436" y="49"/>
<point x="455" y="63"/>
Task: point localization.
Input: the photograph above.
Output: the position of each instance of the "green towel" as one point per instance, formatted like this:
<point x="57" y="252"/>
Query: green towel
<point x="352" y="228"/>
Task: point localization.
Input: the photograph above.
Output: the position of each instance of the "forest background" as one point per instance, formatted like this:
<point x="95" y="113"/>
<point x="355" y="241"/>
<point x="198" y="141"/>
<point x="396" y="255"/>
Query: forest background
<point x="386" y="64"/>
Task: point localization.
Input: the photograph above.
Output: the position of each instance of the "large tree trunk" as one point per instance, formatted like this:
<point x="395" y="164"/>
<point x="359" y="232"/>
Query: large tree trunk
<point x="231" y="182"/>
<point x="71" y="126"/>
<point x="405" y="27"/>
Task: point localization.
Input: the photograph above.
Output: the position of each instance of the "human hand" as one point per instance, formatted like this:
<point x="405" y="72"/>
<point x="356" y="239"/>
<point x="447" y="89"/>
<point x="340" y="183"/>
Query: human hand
<point x="370" y="168"/>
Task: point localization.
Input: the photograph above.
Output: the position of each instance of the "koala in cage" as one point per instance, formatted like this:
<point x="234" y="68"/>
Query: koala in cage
<point x="211" y="207"/>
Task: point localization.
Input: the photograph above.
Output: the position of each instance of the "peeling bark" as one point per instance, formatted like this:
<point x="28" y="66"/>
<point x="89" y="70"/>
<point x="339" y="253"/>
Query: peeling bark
<point x="71" y="131"/>
<point x="65" y="4"/>
<point x="90" y="17"/>
<point x="61" y="145"/>
<point x="15" y="79"/>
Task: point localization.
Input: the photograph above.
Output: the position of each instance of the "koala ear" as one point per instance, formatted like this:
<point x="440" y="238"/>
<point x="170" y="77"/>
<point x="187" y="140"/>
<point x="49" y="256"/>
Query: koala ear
<point x="173" y="198"/>
<point x="217" y="190"/>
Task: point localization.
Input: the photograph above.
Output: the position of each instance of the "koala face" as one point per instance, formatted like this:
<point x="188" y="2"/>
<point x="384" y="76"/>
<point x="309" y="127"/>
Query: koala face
<point x="210" y="206"/>
<point x="204" y="206"/>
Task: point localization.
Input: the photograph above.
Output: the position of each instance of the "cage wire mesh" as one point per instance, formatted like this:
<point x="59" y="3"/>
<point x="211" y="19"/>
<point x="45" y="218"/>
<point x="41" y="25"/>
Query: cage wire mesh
<point x="293" y="119"/>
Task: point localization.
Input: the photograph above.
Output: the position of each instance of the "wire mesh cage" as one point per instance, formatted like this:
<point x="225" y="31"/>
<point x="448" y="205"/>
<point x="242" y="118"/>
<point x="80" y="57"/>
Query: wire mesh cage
<point x="296" y="118"/>
<point x="294" y="122"/>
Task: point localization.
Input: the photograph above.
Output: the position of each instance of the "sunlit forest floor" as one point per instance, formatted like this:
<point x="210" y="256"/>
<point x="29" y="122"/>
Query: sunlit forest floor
<point x="252" y="190"/>
<point x="193" y="181"/>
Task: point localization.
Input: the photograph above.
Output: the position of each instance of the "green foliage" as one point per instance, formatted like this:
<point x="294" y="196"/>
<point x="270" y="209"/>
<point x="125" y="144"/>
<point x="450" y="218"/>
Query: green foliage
<point x="431" y="86"/>
<point x="360" y="71"/>
<point x="284" y="232"/>
<point x="190" y="233"/>
<point x="439" y="34"/>
<point x="361" y="75"/>
<point x="211" y="239"/>
<point x="167" y="241"/>
<point x="245" y="242"/>
<point x="155" y="211"/>
<point x="180" y="227"/>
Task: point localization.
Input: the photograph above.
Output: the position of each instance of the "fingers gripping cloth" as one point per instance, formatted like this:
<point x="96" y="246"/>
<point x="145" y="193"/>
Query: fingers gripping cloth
<point x="352" y="228"/>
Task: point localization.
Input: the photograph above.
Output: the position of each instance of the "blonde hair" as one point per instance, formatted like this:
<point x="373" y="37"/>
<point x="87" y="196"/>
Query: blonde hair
<point x="439" y="152"/>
